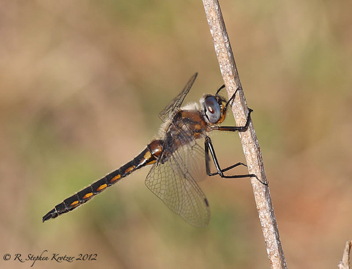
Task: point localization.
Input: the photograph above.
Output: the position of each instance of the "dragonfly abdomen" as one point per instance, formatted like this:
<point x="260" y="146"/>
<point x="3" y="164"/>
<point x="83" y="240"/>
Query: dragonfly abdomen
<point x="148" y="156"/>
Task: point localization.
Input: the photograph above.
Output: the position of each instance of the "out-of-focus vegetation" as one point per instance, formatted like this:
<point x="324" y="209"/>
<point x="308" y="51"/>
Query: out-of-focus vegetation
<point x="82" y="83"/>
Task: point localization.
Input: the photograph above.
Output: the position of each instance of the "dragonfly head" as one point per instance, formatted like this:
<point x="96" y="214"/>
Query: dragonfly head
<point x="213" y="108"/>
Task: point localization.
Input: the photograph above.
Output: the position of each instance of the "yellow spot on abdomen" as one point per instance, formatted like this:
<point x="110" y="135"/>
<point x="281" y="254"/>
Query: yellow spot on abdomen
<point x="115" y="178"/>
<point x="151" y="162"/>
<point x="88" y="195"/>
<point x="102" y="187"/>
<point x="147" y="155"/>
<point x="130" y="169"/>
<point x="74" y="203"/>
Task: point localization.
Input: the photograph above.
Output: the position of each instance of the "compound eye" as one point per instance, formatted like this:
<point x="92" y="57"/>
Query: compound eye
<point x="212" y="109"/>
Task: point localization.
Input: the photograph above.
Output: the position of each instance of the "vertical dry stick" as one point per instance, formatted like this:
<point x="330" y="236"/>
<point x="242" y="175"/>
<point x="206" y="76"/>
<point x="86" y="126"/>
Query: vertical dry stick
<point x="345" y="261"/>
<point x="248" y="139"/>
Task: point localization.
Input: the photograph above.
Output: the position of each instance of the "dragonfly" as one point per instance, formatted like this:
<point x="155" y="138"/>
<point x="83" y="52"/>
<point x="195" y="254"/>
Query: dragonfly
<point x="175" y="157"/>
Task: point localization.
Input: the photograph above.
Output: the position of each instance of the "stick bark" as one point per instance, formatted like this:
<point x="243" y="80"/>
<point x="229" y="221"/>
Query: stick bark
<point x="249" y="140"/>
<point x="345" y="261"/>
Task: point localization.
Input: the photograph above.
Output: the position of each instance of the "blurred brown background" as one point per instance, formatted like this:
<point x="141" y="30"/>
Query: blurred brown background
<point x="82" y="83"/>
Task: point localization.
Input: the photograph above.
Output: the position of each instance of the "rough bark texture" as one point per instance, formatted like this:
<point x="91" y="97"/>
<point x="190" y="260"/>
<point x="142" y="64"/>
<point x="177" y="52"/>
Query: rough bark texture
<point x="345" y="261"/>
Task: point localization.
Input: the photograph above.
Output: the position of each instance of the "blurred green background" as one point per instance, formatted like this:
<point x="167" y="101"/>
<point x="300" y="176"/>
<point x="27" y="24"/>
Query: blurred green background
<point x="82" y="83"/>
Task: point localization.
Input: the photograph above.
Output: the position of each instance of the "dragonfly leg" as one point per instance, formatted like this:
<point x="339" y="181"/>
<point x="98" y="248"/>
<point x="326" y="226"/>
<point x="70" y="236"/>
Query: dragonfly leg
<point x="222" y="87"/>
<point x="235" y="128"/>
<point x="232" y="97"/>
<point x="209" y="148"/>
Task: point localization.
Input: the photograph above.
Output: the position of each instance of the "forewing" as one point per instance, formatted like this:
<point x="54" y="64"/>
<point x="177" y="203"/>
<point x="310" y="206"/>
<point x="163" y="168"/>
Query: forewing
<point x="168" y="111"/>
<point x="173" y="181"/>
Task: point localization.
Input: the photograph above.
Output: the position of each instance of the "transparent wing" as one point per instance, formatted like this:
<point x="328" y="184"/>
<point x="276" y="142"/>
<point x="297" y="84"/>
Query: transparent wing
<point x="174" y="182"/>
<point x="168" y="111"/>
